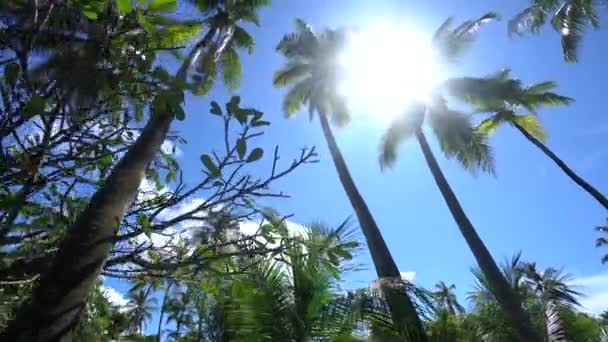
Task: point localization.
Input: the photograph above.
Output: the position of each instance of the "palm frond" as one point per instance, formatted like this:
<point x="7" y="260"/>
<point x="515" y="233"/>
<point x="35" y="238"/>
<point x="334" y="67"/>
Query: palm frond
<point x="340" y="115"/>
<point x="528" y="20"/>
<point x="399" y="130"/>
<point x="297" y="96"/>
<point x="300" y="44"/>
<point x="453" y="42"/>
<point x="459" y="140"/>
<point x="533" y="97"/>
<point x="292" y="72"/>
<point x="486" y="93"/>
<point x="242" y="39"/>
<point x="531" y="124"/>
<point x="231" y="68"/>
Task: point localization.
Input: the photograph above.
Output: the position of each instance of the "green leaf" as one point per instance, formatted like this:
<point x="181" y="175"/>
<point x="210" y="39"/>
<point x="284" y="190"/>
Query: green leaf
<point x="241" y="147"/>
<point x="210" y="165"/>
<point x="144" y="223"/>
<point x="256" y="154"/>
<point x="89" y="13"/>
<point x="124" y="6"/>
<point x="179" y="113"/>
<point x="531" y="125"/>
<point x="215" y="108"/>
<point x="11" y="72"/>
<point x="231" y="69"/>
<point x="260" y="123"/>
<point x="165" y="6"/>
<point x="233" y="104"/>
<point x="170" y="176"/>
<point x="240" y="115"/>
<point x="34" y="107"/>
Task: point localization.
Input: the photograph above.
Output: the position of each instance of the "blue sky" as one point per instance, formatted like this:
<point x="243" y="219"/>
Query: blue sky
<point x="530" y="206"/>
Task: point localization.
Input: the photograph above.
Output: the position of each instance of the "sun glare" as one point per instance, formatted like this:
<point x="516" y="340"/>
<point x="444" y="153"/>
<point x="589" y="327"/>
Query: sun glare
<point x="387" y="67"/>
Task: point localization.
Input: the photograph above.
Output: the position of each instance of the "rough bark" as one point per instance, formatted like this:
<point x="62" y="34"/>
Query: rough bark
<point x="403" y="311"/>
<point x="504" y="294"/>
<point x="60" y="296"/>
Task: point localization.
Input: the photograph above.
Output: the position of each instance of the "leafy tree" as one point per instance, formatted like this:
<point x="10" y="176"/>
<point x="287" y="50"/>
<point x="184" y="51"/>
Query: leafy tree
<point x="504" y="106"/>
<point x="311" y="72"/>
<point x="569" y="18"/>
<point x="458" y="139"/>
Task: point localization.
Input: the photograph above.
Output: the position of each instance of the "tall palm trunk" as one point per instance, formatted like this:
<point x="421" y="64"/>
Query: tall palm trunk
<point x="162" y="312"/>
<point x="560" y="163"/>
<point x="504" y="294"/>
<point x="403" y="311"/>
<point x="58" y="299"/>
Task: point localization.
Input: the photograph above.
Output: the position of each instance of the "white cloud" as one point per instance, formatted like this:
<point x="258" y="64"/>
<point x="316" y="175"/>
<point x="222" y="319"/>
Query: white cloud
<point x="595" y="288"/>
<point x="114" y="296"/>
<point x="408" y="275"/>
<point x="169" y="147"/>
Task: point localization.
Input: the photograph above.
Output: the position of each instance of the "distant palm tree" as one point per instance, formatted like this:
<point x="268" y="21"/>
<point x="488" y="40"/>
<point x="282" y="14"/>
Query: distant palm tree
<point x="554" y="292"/>
<point x="569" y="18"/>
<point x="602" y="241"/>
<point x="88" y="242"/>
<point x="141" y="307"/>
<point x="312" y="73"/>
<point x="446" y="298"/>
<point x="459" y="140"/>
<point x="502" y="98"/>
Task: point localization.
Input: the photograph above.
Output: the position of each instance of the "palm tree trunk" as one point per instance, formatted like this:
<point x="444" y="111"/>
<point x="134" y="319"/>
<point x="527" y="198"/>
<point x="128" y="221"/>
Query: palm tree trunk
<point x="504" y="294"/>
<point x="58" y="299"/>
<point x="602" y="200"/>
<point x="162" y="312"/>
<point x="403" y="311"/>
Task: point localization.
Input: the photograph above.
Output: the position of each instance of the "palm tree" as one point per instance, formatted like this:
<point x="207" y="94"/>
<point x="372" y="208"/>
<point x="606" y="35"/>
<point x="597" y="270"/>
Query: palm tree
<point x="286" y="299"/>
<point x="458" y="139"/>
<point x="504" y="106"/>
<point x="141" y="307"/>
<point x="601" y="241"/>
<point x="554" y="293"/>
<point x="311" y="73"/>
<point x="63" y="290"/>
<point x="167" y="285"/>
<point x="446" y="298"/>
<point x="567" y="17"/>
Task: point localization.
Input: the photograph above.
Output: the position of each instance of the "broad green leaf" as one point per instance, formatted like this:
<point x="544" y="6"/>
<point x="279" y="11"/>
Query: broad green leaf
<point x="256" y="154"/>
<point x="215" y="108"/>
<point x="240" y="115"/>
<point x="124" y="6"/>
<point x="144" y="223"/>
<point x="210" y="165"/>
<point x="233" y="104"/>
<point x="260" y="123"/>
<point x="34" y="106"/>
<point x="165" y="6"/>
<point x="241" y="147"/>
<point x="170" y="176"/>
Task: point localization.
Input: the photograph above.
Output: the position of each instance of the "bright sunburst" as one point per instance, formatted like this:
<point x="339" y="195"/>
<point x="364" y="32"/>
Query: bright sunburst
<point x="387" y="67"/>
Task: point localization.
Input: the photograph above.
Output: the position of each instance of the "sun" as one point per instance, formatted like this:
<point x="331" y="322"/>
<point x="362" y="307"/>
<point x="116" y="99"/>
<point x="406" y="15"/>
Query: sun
<point x="386" y="68"/>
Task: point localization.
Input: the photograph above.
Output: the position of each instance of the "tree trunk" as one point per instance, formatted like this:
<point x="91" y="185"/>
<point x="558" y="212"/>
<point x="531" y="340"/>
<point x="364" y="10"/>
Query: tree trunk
<point x="162" y="312"/>
<point x="504" y="294"/>
<point x="403" y="311"/>
<point x="602" y="200"/>
<point x="58" y="299"/>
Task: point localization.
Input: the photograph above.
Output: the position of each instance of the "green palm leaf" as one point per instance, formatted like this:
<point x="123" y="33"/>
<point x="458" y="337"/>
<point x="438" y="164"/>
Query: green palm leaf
<point x="292" y="72"/>
<point x="242" y="39"/>
<point x="401" y="129"/>
<point x="459" y="140"/>
<point x="531" y="124"/>
<point x="231" y="68"/>
<point x="452" y="42"/>
<point x="297" y="96"/>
